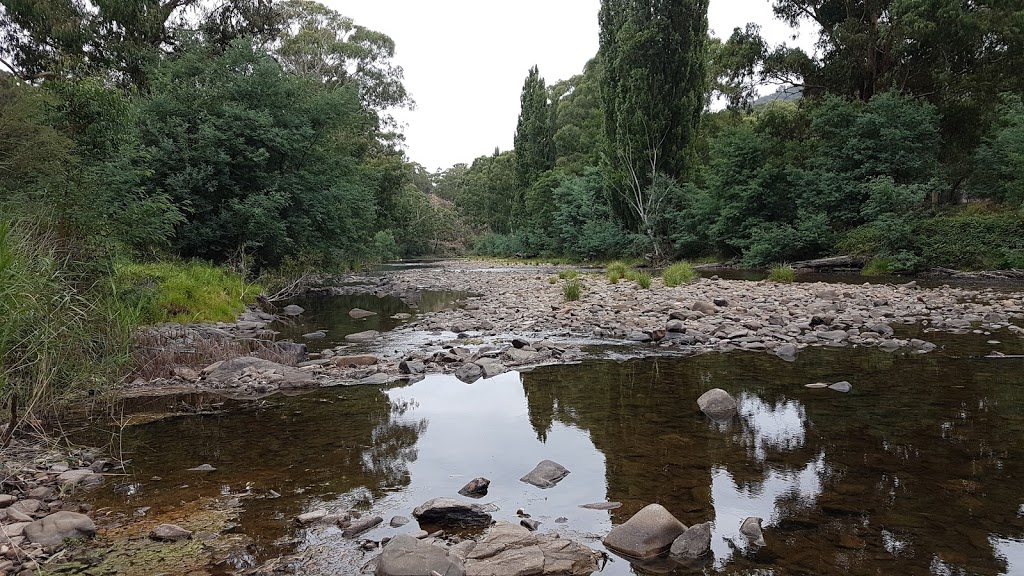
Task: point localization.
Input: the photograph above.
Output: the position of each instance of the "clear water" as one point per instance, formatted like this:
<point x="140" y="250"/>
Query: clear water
<point x="915" y="471"/>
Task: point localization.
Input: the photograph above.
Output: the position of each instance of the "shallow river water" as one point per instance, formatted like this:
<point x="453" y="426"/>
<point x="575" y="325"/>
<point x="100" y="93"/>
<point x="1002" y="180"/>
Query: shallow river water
<point x="916" y="470"/>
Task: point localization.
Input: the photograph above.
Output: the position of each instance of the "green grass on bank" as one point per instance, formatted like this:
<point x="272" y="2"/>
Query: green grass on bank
<point x="183" y="291"/>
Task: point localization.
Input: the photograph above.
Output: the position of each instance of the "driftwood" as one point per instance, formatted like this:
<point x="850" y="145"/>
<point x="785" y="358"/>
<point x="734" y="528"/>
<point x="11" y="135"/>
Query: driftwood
<point x="833" y="262"/>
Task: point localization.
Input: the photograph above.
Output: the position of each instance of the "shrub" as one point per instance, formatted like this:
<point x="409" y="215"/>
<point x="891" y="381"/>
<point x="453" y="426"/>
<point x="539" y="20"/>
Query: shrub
<point x="782" y="273"/>
<point x="879" y="266"/>
<point x="614" y="277"/>
<point x="643" y="279"/>
<point x="679" y="273"/>
<point x="572" y="289"/>
<point x="183" y="292"/>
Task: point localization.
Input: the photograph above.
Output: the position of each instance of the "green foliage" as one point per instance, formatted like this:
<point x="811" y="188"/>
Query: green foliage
<point x="972" y="239"/>
<point x="264" y="162"/>
<point x="553" y="280"/>
<point x="642" y="279"/>
<point x="619" y="268"/>
<point x="584" y="226"/>
<point x="534" y="145"/>
<point x="999" y="161"/>
<point x="183" y="291"/>
<point x="568" y="274"/>
<point x="679" y="273"/>
<point x="782" y="273"/>
<point x="879" y="266"/>
<point x="572" y="289"/>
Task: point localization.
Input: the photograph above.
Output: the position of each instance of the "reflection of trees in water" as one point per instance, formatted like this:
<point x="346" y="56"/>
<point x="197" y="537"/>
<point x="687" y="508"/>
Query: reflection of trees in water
<point x="393" y="444"/>
<point x="919" y="462"/>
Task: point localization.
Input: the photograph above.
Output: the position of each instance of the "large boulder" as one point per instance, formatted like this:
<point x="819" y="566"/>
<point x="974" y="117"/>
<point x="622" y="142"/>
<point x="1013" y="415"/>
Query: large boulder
<point x="58" y="527"/>
<point x="449" y="512"/>
<point x="693" y="543"/>
<point x="649" y="532"/>
<point x="469" y="373"/>
<point x="405" y="555"/>
<point x="510" y="550"/>
<point x="717" y="404"/>
<point x="82" y="477"/>
<point x="546" y="474"/>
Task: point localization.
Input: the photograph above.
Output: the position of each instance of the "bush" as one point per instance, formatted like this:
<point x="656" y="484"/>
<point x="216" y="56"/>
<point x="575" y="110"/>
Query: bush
<point x="782" y="273"/>
<point x="679" y="273"/>
<point x="500" y="245"/>
<point x="879" y="266"/>
<point x="183" y="292"/>
<point x="572" y="289"/>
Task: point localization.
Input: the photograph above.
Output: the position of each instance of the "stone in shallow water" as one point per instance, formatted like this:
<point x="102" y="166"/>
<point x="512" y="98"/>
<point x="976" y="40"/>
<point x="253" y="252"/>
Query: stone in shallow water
<point x="717" y="404"/>
<point x="751" y="529"/>
<point x="358" y="313"/>
<point x="58" y="527"/>
<point x="649" y="532"/>
<point x="316" y="335"/>
<point x="546" y="474"/>
<point x="408" y="556"/>
<point x="843" y="386"/>
<point x="365" y="336"/>
<point x="693" y="543"/>
<point x="203" y="468"/>
<point x="469" y="373"/>
<point x="451" y="512"/>
<point x="602" y="505"/>
<point x="293" y="310"/>
<point x="476" y="488"/>
<point x="169" y="533"/>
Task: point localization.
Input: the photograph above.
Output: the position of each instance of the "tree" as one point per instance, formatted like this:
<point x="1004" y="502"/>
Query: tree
<point x="578" y="120"/>
<point x="654" y="58"/>
<point x="262" y="161"/>
<point x="534" y="146"/>
<point x="318" y="42"/>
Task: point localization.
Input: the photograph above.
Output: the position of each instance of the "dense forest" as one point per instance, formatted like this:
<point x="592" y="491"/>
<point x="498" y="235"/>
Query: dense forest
<point x="903" y="144"/>
<point x="169" y="159"/>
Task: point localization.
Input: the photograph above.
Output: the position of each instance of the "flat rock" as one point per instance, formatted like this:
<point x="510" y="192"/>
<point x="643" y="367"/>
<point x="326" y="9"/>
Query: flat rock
<point x="602" y="505"/>
<point x="230" y="371"/>
<point x="490" y="367"/>
<point x="751" y="529"/>
<point x="358" y="313"/>
<point x="510" y="550"/>
<point x="293" y="310"/>
<point x="450" y="512"/>
<point x="365" y="336"/>
<point x="412" y="367"/>
<point x="203" y="468"/>
<point x="377" y="379"/>
<point x="6" y="500"/>
<point x="405" y="555"/>
<point x="469" y="373"/>
<point x="843" y="386"/>
<point x="717" y="404"/>
<point x="169" y="533"/>
<point x="693" y="543"/>
<point x="399" y="521"/>
<point x="546" y="474"/>
<point x="82" y="477"/>
<point x="517" y="356"/>
<point x="787" y="352"/>
<point x="357" y="361"/>
<point x="649" y="532"/>
<point x="58" y="527"/>
<point x="475" y="488"/>
<point x="315" y="335"/>
<point x="310" y="517"/>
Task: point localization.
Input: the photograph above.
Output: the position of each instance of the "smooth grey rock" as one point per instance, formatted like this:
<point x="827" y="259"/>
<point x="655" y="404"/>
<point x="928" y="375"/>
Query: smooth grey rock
<point x="546" y="474"/>
<point x="228" y="372"/>
<point x="889" y="346"/>
<point x="315" y="335"/>
<point x="834" y="335"/>
<point x="169" y="533"/>
<point x="399" y="521"/>
<point x="58" y="527"/>
<point x="602" y="506"/>
<point x="293" y="310"/>
<point x="693" y="543"/>
<point x="512" y="550"/>
<point x="476" y="488"/>
<point x="518" y="356"/>
<point x="83" y="477"/>
<point x="530" y="524"/>
<point x="787" y="352"/>
<point x="843" y="386"/>
<point x="361" y="525"/>
<point x="359" y="313"/>
<point x="649" y="532"/>
<point x="451" y="512"/>
<point x="365" y="336"/>
<point x="637" y="336"/>
<point x="469" y="373"/>
<point x="490" y="367"/>
<point x="310" y="517"/>
<point x="405" y="555"/>
<point x="751" y="529"/>
<point x="6" y="500"/>
<point x="377" y="379"/>
<point x="717" y="404"/>
<point x="675" y="326"/>
<point x="704" y="307"/>
<point x="412" y="367"/>
<point x="203" y="468"/>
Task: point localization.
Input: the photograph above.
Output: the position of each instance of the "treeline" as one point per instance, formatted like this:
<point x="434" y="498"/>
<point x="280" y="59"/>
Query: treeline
<point x="145" y="142"/>
<point x="900" y="140"/>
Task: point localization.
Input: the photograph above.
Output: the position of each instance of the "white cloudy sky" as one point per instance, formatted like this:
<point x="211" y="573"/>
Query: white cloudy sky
<point x="465" y="60"/>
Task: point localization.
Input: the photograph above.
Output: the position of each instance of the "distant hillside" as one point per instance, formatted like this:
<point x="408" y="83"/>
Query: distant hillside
<point x="787" y="94"/>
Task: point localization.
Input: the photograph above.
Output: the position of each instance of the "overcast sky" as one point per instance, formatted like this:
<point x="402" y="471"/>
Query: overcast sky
<point x="465" y="60"/>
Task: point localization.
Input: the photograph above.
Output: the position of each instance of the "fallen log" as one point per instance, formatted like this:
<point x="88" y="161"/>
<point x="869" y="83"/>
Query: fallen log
<point x="831" y="262"/>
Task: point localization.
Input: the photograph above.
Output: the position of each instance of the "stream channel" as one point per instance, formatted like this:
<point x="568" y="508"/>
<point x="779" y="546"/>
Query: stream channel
<point x="914" y="471"/>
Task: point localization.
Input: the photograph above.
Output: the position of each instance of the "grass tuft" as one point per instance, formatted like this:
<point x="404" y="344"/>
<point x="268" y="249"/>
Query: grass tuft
<point x="782" y="273"/>
<point x="572" y="290"/>
<point x="878" y="266"/>
<point x="568" y="274"/>
<point x="679" y="273"/>
<point x="643" y="279"/>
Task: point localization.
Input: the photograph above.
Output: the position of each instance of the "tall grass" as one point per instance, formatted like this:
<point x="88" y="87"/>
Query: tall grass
<point x="568" y="274"/>
<point x="643" y="279"/>
<point x="572" y="289"/>
<point x="679" y="273"/>
<point x="60" y="331"/>
<point x="782" y="273"/>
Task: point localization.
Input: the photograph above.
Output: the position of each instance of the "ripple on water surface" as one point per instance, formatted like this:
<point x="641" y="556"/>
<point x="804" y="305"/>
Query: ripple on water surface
<point x="914" y="471"/>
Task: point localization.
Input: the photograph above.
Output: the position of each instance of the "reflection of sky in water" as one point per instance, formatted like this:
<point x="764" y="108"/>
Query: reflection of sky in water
<point x="771" y="427"/>
<point x="734" y="503"/>
<point x="1011" y="552"/>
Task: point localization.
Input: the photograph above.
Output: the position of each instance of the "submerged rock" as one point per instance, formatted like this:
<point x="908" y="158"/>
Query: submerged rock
<point x="843" y="386"/>
<point x="169" y="533"/>
<point x="358" y="313"/>
<point x="649" y="532"/>
<point x="365" y="336"/>
<point x="293" y="310"/>
<point x="546" y="474"/>
<point x="451" y="512"/>
<point x="717" y="404"/>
